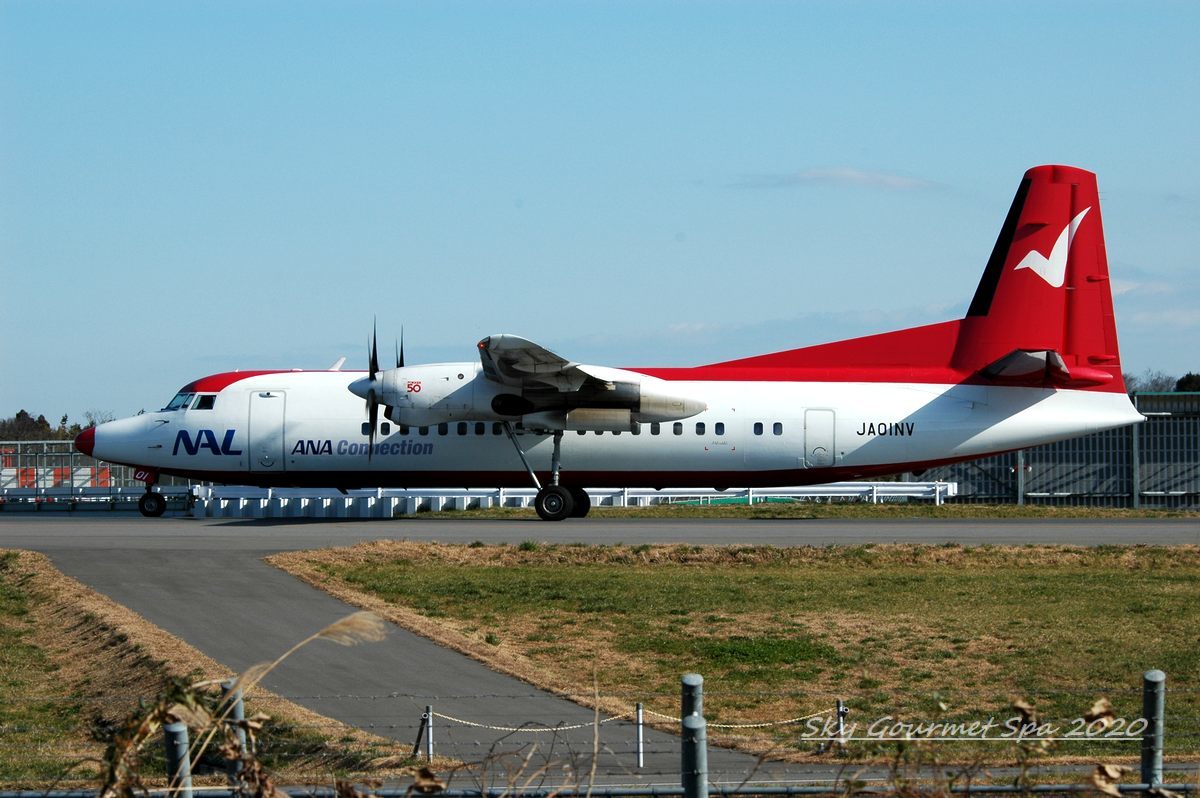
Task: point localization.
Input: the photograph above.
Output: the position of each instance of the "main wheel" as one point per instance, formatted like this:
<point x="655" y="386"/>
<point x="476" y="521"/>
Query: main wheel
<point x="553" y="503"/>
<point x="152" y="505"/>
<point x="583" y="502"/>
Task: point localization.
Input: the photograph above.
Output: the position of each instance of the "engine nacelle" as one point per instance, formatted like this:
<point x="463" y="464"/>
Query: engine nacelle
<point x="420" y="396"/>
<point x="584" y="419"/>
<point x="657" y="405"/>
<point x="425" y="395"/>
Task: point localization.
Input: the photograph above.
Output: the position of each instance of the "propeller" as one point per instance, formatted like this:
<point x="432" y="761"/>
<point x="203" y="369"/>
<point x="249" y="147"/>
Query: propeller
<point x="370" y="387"/>
<point x="372" y="396"/>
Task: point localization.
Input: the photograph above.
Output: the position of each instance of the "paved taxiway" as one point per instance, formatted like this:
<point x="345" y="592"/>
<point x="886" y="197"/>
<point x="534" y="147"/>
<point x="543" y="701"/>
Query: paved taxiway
<point x="203" y="580"/>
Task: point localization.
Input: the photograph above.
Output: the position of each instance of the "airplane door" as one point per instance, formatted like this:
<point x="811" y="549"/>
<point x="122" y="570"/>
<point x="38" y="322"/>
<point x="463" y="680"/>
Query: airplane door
<point x="266" y="430"/>
<point x="818" y="439"/>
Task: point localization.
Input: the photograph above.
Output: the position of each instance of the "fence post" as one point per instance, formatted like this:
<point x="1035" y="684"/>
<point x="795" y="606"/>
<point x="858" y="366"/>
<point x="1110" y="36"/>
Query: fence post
<point x="640" y="738"/>
<point x="1153" y="704"/>
<point x="429" y="732"/>
<point x="237" y="717"/>
<point x="694" y="752"/>
<point x="179" y="769"/>
<point x="1020" y="476"/>
<point x="1135" y="461"/>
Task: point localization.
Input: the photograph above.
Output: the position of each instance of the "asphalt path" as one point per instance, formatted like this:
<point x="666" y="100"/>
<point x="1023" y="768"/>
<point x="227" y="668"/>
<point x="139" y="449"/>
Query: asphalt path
<point x="204" y="581"/>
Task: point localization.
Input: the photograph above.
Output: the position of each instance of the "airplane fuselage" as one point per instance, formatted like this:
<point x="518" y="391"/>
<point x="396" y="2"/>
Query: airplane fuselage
<point x="304" y="428"/>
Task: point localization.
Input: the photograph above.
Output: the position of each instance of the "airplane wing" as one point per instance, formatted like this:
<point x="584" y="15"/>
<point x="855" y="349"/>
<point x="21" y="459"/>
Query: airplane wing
<point x="516" y="362"/>
<point x="563" y="394"/>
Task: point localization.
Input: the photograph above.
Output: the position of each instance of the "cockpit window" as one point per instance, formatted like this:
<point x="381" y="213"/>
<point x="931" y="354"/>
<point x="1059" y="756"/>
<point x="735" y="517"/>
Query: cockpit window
<point x="180" y="402"/>
<point x="205" y="402"/>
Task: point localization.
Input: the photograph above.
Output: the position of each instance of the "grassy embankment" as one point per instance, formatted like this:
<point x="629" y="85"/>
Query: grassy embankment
<point x="73" y="664"/>
<point x="915" y="632"/>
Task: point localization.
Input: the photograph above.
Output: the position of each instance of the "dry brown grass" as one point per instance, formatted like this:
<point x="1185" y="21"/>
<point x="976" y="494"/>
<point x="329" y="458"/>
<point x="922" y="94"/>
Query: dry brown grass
<point x="883" y="654"/>
<point x="107" y="657"/>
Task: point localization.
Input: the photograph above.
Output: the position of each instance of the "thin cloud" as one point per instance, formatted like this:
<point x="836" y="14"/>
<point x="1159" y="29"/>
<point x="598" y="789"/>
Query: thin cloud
<point x="836" y="176"/>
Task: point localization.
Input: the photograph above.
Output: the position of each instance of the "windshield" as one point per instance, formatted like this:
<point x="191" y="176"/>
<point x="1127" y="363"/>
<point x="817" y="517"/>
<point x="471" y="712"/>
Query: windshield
<point x="181" y="401"/>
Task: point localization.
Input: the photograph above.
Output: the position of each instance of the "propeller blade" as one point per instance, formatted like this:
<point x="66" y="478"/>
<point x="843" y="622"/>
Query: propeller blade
<point x="400" y="350"/>
<point x="374" y="351"/>
<point x="372" y="419"/>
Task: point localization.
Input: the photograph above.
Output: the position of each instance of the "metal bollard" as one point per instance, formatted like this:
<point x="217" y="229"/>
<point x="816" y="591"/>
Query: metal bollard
<point x="237" y="716"/>
<point x="179" y="769"/>
<point x="692" y="695"/>
<point x="694" y="765"/>
<point x="1153" y="706"/>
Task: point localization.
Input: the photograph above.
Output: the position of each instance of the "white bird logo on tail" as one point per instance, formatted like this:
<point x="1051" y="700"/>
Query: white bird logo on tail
<point x="1053" y="269"/>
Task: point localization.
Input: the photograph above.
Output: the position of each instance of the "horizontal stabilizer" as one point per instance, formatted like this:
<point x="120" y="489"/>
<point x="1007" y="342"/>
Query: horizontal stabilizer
<point x="1042" y="368"/>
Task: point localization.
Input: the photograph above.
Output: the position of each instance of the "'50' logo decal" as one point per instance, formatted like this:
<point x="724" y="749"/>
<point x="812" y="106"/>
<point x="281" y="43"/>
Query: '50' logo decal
<point x="414" y="386"/>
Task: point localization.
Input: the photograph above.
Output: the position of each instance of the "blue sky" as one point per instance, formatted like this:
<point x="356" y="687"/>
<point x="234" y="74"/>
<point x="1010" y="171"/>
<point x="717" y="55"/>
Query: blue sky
<point x="192" y="187"/>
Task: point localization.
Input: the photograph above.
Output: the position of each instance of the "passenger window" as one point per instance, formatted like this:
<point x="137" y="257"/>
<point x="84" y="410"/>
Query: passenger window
<point x="758" y="428"/>
<point x="404" y="429"/>
<point x="423" y="430"/>
<point x="366" y="428"/>
<point x="719" y="428"/>
<point x="206" y="402"/>
<point x="777" y="428"/>
<point x="462" y="428"/>
<point x="616" y="432"/>
<point x="654" y="428"/>
<point x="581" y="432"/>
<point x="699" y="427"/>
<point x="497" y="428"/>
<point x="599" y="432"/>
<point x="443" y="428"/>
<point x="385" y="428"/>
<point x="677" y="428"/>
<point x="637" y="429"/>
<point x="480" y="428"/>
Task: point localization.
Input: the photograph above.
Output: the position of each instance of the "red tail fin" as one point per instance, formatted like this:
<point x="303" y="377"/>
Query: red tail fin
<point x="1042" y="315"/>
<point x="1043" y="311"/>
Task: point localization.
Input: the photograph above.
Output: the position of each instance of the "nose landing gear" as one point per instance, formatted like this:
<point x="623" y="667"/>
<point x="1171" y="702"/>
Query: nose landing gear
<point x="152" y="505"/>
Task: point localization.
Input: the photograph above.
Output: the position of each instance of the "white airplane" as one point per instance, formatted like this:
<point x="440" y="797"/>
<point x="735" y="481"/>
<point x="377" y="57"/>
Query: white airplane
<point x="1035" y="360"/>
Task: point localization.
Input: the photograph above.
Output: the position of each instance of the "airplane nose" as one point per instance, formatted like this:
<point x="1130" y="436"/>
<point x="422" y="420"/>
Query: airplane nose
<point x="86" y="441"/>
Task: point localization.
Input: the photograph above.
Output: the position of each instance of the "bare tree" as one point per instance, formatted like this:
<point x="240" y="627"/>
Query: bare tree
<point x="1149" y="381"/>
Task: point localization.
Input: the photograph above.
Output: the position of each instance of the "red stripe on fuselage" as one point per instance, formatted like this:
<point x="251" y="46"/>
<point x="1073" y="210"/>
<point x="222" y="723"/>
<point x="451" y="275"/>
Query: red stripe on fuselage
<point x="215" y="383"/>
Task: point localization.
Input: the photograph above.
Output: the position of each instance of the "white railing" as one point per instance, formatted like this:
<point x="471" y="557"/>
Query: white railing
<point x="206" y="501"/>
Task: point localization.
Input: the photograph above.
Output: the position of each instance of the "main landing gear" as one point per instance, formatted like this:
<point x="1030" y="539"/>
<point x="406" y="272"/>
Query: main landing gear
<point x="554" y="502"/>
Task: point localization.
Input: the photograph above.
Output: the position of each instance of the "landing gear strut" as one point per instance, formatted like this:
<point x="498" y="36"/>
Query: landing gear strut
<point x="152" y="505"/>
<point x="553" y="502"/>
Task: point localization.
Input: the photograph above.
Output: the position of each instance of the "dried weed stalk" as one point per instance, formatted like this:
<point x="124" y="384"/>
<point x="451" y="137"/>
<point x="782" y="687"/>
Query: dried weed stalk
<point x="207" y="715"/>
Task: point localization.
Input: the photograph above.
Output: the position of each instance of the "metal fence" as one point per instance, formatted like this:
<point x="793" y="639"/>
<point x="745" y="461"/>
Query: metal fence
<point x="682" y="759"/>
<point x="40" y="465"/>
<point x="1154" y="464"/>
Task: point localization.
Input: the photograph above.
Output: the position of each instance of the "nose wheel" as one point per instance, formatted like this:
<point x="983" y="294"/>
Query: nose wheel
<point x="152" y="505"/>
